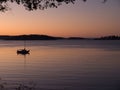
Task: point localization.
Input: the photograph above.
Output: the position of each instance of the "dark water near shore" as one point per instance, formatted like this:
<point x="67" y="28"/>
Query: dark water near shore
<point x="61" y="65"/>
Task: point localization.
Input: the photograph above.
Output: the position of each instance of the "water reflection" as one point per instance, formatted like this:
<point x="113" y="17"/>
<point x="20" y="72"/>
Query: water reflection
<point x="16" y="85"/>
<point x="60" y="66"/>
<point x="24" y="55"/>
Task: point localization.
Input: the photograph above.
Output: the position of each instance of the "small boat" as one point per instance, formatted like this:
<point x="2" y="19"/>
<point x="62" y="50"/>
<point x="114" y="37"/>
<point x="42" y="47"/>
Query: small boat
<point x="23" y="51"/>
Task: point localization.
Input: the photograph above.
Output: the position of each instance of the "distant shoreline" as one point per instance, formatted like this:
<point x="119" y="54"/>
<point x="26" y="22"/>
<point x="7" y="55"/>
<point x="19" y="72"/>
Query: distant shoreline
<point x="46" y="37"/>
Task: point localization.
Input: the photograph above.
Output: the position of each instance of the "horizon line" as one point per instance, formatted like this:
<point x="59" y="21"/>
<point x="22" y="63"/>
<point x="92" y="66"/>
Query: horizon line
<point x="61" y="36"/>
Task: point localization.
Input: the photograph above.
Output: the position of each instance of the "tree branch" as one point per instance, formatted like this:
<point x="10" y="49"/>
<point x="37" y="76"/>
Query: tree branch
<point x="36" y="4"/>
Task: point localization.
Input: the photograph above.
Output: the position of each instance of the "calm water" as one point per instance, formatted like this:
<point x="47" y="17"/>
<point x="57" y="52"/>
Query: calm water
<point x="60" y="65"/>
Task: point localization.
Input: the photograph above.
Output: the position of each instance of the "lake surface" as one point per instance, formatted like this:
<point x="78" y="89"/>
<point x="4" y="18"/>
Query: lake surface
<point x="61" y="65"/>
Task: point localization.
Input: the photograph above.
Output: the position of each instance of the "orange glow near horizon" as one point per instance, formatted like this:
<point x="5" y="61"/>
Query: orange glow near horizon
<point x="89" y="19"/>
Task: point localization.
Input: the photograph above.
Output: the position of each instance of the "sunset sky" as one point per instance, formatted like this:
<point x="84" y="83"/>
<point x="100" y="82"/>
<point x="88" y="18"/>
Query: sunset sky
<point x="89" y="19"/>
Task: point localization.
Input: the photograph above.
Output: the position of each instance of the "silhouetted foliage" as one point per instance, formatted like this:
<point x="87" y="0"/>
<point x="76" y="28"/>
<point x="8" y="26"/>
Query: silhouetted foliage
<point x="29" y="37"/>
<point x="36" y="4"/>
<point x="113" y="37"/>
<point x="46" y="37"/>
<point x="76" y="38"/>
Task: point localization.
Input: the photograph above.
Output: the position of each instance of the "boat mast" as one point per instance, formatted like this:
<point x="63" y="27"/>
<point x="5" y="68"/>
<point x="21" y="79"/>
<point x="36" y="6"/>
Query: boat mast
<point x="24" y="44"/>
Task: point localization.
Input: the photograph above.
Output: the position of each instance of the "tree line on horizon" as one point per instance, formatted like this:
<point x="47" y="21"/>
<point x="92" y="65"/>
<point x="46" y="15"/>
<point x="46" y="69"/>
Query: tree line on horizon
<point x="46" y="37"/>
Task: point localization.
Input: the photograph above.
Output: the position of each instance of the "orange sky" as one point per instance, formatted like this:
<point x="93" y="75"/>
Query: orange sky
<point x="89" y="19"/>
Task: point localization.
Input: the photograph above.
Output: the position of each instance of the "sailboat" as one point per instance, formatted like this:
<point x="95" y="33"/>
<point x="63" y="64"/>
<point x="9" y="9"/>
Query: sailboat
<point x="23" y="51"/>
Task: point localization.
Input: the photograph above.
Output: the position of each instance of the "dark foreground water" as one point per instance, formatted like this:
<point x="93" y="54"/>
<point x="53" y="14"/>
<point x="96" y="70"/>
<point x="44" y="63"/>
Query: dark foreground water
<point x="60" y="65"/>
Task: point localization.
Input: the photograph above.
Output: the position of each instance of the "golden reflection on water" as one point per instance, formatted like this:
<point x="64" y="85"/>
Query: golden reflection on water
<point x="49" y="55"/>
<point x="46" y="56"/>
<point x="48" y="65"/>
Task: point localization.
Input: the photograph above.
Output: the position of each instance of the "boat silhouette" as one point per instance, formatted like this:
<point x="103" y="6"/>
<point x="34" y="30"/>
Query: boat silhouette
<point x="23" y="51"/>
